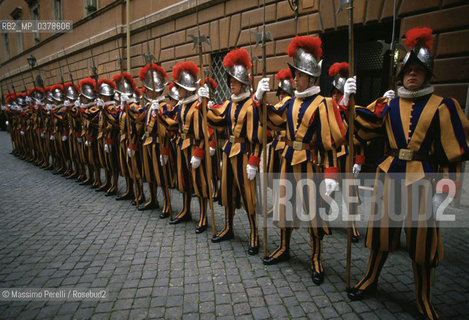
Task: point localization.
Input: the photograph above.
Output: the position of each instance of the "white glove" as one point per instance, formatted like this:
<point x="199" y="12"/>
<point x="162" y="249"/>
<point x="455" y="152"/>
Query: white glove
<point x="106" y="148"/>
<point x="48" y="107"/>
<point x="79" y="140"/>
<point x="203" y="92"/>
<point x="212" y="151"/>
<point x="67" y="103"/>
<point x="195" y="162"/>
<point x="163" y="159"/>
<point x="122" y="104"/>
<point x="64" y="138"/>
<point x="262" y="87"/>
<point x="87" y="144"/>
<point x="251" y="171"/>
<point x="6" y="123"/>
<point x="356" y="169"/>
<point x="77" y="103"/>
<point x="100" y="103"/>
<point x="130" y="152"/>
<point x="42" y="135"/>
<point x="155" y="105"/>
<point x="331" y="185"/>
<point x="390" y="94"/>
<point x="28" y="100"/>
<point x="125" y="97"/>
<point x="22" y="132"/>
<point x="210" y="104"/>
<point x="52" y="138"/>
<point x="4" y="108"/>
<point x="349" y="89"/>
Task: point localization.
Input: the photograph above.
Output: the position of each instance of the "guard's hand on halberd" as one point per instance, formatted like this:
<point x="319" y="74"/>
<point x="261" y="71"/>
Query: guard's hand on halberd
<point x="163" y="159"/>
<point x="100" y="103"/>
<point x="77" y="103"/>
<point x="390" y="94"/>
<point x="52" y="137"/>
<point x="212" y="151"/>
<point x="28" y="100"/>
<point x="331" y="185"/>
<point x="67" y="103"/>
<point x="262" y="87"/>
<point x="195" y="162"/>
<point x="251" y="171"/>
<point x="203" y="92"/>
<point x="349" y="89"/>
<point x="64" y="138"/>
<point x="356" y="169"/>
<point x="155" y="105"/>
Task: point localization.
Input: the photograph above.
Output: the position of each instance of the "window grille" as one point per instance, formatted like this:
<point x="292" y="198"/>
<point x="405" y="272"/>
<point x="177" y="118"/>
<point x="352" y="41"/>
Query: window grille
<point x="219" y="75"/>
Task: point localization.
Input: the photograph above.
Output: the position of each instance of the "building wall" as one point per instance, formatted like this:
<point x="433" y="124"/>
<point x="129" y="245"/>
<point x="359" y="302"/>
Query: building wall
<point x="228" y="25"/>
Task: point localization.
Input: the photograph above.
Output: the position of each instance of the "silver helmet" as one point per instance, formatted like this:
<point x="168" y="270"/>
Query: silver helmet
<point x="286" y="85"/>
<point x="158" y="79"/>
<point x="57" y="95"/>
<point x="240" y="73"/>
<point x="71" y="92"/>
<point x="305" y="62"/>
<point x="187" y="80"/>
<point x="20" y="100"/>
<point x="173" y="93"/>
<point x="419" y="44"/>
<point x="49" y="96"/>
<point x="339" y="83"/>
<point x="105" y="89"/>
<point x="37" y="96"/>
<point x="126" y="87"/>
<point x="88" y="92"/>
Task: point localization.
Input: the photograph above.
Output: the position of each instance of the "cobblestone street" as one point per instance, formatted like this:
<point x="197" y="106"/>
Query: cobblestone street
<point x="55" y="233"/>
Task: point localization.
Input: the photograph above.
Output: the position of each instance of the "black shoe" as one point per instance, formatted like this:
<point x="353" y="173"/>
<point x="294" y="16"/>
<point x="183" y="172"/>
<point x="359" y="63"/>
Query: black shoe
<point x="227" y="236"/>
<point x="102" y="188"/>
<point x="110" y="193"/>
<point x="164" y="215"/>
<point x="125" y="197"/>
<point x="200" y="229"/>
<point x="358" y="294"/>
<point x="184" y="218"/>
<point x="355" y="239"/>
<point x="147" y="206"/>
<point x="273" y="260"/>
<point x="253" y="250"/>
<point x="318" y="277"/>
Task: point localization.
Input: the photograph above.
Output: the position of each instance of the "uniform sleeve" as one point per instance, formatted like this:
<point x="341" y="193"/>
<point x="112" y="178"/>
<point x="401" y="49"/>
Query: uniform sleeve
<point x="217" y="115"/>
<point x="254" y="132"/>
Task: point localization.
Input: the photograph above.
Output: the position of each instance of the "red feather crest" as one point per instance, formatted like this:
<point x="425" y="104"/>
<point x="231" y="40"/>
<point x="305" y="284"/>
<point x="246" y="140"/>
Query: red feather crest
<point x="69" y="84"/>
<point x="212" y="83"/>
<point x="127" y="76"/>
<point x="143" y="72"/>
<point x="138" y="92"/>
<point x="341" y="68"/>
<point x="308" y="44"/>
<point x="422" y="36"/>
<point x="188" y="66"/>
<point x="30" y="92"/>
<point x="237" y="56"/>
<point x="89" y="82"/>
<point x="109" y="82"/>
<point x="284" y="74"/>
<point x="57" y="86"/>
<point x="171" y="85"/>
<point x="10" y="96"/>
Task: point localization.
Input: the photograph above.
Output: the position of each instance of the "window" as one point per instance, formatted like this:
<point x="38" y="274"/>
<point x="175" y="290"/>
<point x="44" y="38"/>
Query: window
<point x="223" y="91"/>
<point x="16" y="15"/>
<point x="57" y="7"/>
<point x="90" y="6"/>
<point x="34" y="13"/>
<point x="6" y="44"/>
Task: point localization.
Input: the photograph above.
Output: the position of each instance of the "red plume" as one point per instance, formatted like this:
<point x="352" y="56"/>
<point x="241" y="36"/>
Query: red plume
<point x="308" y="44"/>
<point x="57" y="86"/>
<point x="47" y="88"/>
<point x="109" y="82"/>
<point x="171" y="85"/>
<point x="127" y="76"/>
<point x="284" y="74"/>
<point x="69" y="84"/>
<point x="88" y="81"/>
<point x="10" y="96"/>
<point x="143" y="72"/>
<point x="422" y="36"/>
<point x="138" y="92"/>
<point x="237" y="56"/>
<point x="212" y="83"/>
<point x="30" y="92"/>
<point x="341" y="68"/>
<point x="188" y="66"/>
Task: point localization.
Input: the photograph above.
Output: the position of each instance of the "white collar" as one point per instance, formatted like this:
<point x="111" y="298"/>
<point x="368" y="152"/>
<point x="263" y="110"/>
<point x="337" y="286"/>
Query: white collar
<point x="412" y="94"/>
<point x="189" y="99"/>
<point x="242" y="96"/>
<point x="311" y="91"/>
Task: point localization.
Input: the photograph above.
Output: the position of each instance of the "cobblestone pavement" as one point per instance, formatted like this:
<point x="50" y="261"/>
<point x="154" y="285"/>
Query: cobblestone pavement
<point x="55" y="233"/>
